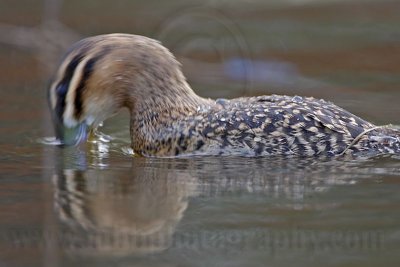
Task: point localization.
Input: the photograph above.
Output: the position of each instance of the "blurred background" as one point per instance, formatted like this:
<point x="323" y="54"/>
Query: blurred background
<point x="344" y="51"/>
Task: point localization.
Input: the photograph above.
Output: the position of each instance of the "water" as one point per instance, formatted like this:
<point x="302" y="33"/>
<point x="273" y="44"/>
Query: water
<point x="99" y="205"/>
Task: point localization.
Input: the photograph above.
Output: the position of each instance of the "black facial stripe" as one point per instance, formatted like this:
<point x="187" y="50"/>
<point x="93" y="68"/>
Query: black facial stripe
<point x="86" y="73"/>
<point x="62" y="87"/>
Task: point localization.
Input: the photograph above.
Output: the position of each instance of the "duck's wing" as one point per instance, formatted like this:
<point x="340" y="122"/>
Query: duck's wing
<point x="321" y="113"/>
<point x="281" y="121"/>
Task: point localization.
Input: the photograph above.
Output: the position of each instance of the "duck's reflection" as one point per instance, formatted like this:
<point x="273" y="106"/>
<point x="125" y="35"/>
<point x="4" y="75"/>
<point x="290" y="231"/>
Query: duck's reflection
<point x="122" y="212"/>
<point x="136" y="210"/>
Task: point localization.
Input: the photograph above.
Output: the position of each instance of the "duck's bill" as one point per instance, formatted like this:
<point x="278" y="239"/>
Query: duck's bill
<point x="72" y="136"/>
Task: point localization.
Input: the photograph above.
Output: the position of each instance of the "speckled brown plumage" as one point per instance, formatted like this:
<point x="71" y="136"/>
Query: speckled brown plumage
<point x="102" y="74"/>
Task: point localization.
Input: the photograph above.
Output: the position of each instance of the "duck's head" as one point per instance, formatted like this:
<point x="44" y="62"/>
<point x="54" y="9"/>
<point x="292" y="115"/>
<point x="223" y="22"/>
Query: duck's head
<point x="101" y="74"/>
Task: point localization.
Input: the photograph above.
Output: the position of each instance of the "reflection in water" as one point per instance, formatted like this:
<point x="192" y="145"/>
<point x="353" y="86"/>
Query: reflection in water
<point x="137" y="210"/>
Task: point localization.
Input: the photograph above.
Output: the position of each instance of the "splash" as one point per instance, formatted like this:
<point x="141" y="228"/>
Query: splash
<point x="50" y="141"/>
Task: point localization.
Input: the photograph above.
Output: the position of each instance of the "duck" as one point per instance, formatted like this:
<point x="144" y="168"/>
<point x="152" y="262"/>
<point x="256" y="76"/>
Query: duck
<point x="100" y="75"/>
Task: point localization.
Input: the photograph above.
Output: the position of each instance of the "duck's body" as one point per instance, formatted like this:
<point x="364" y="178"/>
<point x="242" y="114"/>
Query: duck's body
<point x="102" y="74"/>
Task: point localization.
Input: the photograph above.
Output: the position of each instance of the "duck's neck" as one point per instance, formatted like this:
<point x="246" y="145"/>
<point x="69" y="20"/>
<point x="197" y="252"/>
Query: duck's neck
<point x="154" y="115"/>
<point x="179" y="101"/>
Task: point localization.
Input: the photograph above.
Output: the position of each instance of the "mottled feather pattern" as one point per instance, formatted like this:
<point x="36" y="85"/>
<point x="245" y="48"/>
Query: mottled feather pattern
<point x="271" y="125"/>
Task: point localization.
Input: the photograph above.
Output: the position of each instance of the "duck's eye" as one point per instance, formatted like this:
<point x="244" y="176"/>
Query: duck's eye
<point x="61" y="90"/>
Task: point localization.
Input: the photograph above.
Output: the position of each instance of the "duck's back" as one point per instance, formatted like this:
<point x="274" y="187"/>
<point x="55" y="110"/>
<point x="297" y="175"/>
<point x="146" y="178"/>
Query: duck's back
<point x="284" y="125"/>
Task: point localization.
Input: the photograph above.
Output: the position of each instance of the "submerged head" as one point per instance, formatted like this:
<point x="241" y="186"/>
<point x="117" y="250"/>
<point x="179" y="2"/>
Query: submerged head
<point x="101" y="74"/>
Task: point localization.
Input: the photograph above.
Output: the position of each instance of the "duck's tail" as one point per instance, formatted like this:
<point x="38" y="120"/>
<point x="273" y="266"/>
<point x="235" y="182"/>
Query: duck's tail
<point x="385" y="139"/>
